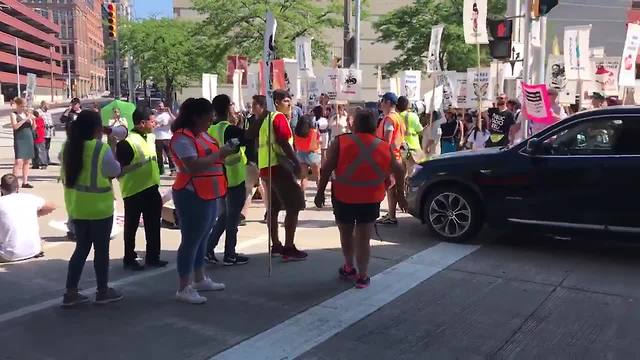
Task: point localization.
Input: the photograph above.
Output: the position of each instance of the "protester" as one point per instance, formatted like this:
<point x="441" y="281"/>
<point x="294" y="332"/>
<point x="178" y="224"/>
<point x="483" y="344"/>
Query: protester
<point x="361" y="163"/>
<point x="22" y="125"/>
<point x="39" y="151"/>
<point x="391" y="129"/>
<point x="225" y="131"/>
<point x="279" y="169"/>
<point x="50" y="131"/>
<point x="199" y="182"/>
<point x="413" y="128"/>
<point x="252" y="180"/>
<point x="296" y="115"/>
<point x="139" y="183"/>
<point x="322" y="124"/>
<point x="19" y="229"/>
<point x="71" y="113"/>
<point x="479" y="135"/>
<point x="338" y="124"/>
<point x="452" y="133"/>
<point x="598" y="100"/>
<point x="164" y="119"/>
<point x="307" y="143"/>
<point x="116" y="121"/>
<point x="557" y="111"/>
<point x="431" y="135"/>
<point x="500" y="121"/>
<point x="88" y="198"/>
<point x="95" y="107"/>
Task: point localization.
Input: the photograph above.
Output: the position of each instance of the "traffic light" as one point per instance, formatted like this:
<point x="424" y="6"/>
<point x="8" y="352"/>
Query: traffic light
<point x="112" y="20"/>
<point x="500" y="44"/>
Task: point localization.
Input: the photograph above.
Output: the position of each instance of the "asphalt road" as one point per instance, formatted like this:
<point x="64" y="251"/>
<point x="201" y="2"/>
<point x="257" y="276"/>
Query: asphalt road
<point x="507" y="295"/>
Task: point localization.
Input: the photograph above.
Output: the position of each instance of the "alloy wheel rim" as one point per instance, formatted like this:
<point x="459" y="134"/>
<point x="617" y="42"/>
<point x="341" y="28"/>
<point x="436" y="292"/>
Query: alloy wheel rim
<point x="450" y="214"/>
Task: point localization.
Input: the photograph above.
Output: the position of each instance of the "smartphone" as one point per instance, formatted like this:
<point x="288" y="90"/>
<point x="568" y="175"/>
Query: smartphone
<point x="234" y="143"/>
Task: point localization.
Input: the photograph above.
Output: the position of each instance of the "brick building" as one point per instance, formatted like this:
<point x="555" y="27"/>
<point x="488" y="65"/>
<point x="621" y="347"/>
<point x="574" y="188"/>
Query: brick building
<point x="34" y="38"/>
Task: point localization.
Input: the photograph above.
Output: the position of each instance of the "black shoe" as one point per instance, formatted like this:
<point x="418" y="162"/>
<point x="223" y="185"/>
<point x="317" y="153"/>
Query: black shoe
<point x="264" y="220"/>
<point x="74" y="299"/>
<point x="27" y="186"/>
<point x="347" y="272"/>
<point x="243" y="220"/>
<point x="71" y="236"/>
<point x="276" y="250"/>
<point x="108" y="296"/>
<point x="235" y="260"/>
<point x="157" y="263"/>
<point x="133" y="265"/>
<point x="211" y="258"/>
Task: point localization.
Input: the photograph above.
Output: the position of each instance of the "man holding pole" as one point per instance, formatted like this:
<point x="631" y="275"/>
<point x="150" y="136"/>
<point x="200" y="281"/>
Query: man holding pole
<point x="279" y="170"/>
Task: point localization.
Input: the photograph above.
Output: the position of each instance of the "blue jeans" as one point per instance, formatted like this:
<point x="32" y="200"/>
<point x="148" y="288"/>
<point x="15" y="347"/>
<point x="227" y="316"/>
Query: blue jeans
<point x="196" y="216"/>
<point x="228" y="219"/>
<point x="89" y="233"/>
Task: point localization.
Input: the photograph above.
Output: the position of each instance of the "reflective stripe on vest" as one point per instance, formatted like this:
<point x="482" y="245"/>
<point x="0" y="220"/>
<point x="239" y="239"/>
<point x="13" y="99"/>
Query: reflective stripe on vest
<point x="143" y="172"/>
<point x="365" y="155"/>
<point x="135" y="166"/>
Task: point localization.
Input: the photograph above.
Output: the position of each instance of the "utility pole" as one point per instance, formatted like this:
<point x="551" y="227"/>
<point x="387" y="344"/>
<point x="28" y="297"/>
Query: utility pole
<point x="116" y="69"/>
<point x="346" y="53"/>
<point x="525" y="63"/>
<point x="69" y="78"/>
<point x="356" y="44"/>
<point x="18" y="68"/>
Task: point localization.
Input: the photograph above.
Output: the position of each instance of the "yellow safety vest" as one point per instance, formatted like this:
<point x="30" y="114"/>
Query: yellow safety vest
<point x="268" y="158"/>
<point x="235" y="165"/>
<point x="143" y="172"/>
<point x="92" y="196"/>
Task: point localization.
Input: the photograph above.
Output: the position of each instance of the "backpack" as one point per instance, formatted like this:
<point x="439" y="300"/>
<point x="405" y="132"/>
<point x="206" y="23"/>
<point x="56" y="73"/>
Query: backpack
<point x="303" y="127"/>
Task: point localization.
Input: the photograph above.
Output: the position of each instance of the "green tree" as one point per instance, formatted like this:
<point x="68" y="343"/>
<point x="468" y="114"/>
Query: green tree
<point x="238" y="25"/>
<point x="167" y="52"/>
<point x="410" y="28"/>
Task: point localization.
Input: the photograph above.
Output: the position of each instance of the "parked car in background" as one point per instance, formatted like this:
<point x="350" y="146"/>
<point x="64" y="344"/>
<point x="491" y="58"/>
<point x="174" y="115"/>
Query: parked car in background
<point x="579" y="175"/>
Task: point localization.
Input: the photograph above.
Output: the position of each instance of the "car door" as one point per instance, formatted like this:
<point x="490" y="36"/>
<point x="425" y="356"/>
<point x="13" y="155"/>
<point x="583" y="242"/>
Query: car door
<point x="569" y="175"/>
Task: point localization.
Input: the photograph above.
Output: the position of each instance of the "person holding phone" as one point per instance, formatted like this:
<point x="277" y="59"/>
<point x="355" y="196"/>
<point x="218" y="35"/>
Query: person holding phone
<point x="225" y="131"/>
<point x="23" y="136"/>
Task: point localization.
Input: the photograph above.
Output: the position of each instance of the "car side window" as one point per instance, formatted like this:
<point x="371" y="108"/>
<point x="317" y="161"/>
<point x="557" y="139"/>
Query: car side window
<point x="590" y="137"/>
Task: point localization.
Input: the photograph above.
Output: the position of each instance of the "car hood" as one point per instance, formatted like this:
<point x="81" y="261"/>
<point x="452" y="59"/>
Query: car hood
<point x="466" y="153"/>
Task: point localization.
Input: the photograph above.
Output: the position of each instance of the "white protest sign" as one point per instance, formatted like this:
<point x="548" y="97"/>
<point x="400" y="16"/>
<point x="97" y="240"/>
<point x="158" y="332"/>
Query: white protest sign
<point x="479" y="86"/>
<point x="576" y="52"/>
<point x="629" y="54"/>
<point x="474" y="16"/>
<point x="350" y="84"/>
<point x="410" y="84"/>
<point x="605" y="75"/>
<point x="433" y="59"/>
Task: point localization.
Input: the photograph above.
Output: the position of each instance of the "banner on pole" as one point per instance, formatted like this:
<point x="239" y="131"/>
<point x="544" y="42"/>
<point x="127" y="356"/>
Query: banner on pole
<point x="292" y="78"/>
<point x="235" y="62"/>
<point x="303" y="56"/>
<point x="433" y="99"/>
<point x="605" y="75"/>
<point x="461" y="91"/>
<point x="536" y="103"/>
<point x="394" y="85"/>
<point x="576" y="52"/>
<point x="350" y="84"/>
<point x="556" y="79"/>
<point x="379" y="82"/>
<point x="31" y="88"/>
<point x="253" y="84"/>
<point x="535" y="33"/>
<point x="479" y="87"/>
<point x="448" y="91"/>
<point x="313" y="91"/>
<point x="209" y="86"/>
<point x="629" y="54"/>
<point x="278" y="75"/>
<point x="475" y="22"/>
<point x="237" y="96"/>
<point x="433" y="60"/>
<point x="331" y="83"/>
<point x="410" y="84"/>
<point x="268" y="56"/>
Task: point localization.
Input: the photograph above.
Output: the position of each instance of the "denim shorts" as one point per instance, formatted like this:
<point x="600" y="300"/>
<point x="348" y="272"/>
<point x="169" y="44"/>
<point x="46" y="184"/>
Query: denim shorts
<point x="309" y="158"/>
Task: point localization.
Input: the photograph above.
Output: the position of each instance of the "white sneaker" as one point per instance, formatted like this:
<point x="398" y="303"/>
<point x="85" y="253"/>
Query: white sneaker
<point x="190" y="295"/>
<point x="208" y="285"/>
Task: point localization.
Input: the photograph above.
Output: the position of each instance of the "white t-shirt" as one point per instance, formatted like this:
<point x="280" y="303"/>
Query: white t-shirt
<point x="433" y="132"/>
<point x="323" y="126"/>
<point x="19" y="230"/>
<point x="478" y="138"/>
<point x="163" y="126"/>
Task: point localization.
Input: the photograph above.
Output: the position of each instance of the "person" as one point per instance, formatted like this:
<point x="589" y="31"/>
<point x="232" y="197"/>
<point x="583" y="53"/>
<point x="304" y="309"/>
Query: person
<point x="39" y="151"/>
<point x="597" y="100"/>
<point x="412" y="136"/>
<point x="338" y="123"/>
<point x="296" y="115"/>
<point x="279" y="169"/>
<point x="71" y="113"/>
<point x="322" y="124"/>
<point x="19" y="229"/>
<point x="49" y="133"/>
<point x="164" y="119"/>
<point x="22" y="124"/>
<point x="252" y="180"/>
<point x="452" y="133"/>
<point x="224" y="130"/>
<point x="500" y="121"/>
<point x="391" y="130"/>
<point x="431" y="135"/>
<point x="515" y="133"/>
<point x="140" y="183"/>
<point x="116" y="121"/>
<point x="306" y="140"/>
<point x="88" y="166"/>
<point x="361" y="163"/>
<point x="199" y="182"/>
<point x="478" y="136"/>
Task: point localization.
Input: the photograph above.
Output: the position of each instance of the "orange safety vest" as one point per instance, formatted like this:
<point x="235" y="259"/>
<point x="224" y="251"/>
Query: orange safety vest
<point x="397" y="136"/>
<point x="364" y="162"/>
<point x="311" y="143"/>
<point x="208" y="184"/>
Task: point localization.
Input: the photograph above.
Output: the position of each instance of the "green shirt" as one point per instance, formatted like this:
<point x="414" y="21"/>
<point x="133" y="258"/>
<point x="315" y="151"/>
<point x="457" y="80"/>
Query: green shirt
<point x="414" y="129"/>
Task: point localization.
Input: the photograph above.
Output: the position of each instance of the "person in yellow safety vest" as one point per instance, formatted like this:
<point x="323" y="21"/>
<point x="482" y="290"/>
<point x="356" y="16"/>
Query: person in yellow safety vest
<point x="413" y="130"/>
<point x="88" y="165"/>
<point x="139" y="183"/>
<point x="279" y="169"/>
<point x="225" y="131"/>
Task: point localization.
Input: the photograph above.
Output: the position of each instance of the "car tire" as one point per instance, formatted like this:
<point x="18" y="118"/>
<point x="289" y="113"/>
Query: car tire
<point x="452" y="213"/>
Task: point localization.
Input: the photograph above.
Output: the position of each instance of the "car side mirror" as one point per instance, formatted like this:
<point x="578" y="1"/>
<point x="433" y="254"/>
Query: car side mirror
<point x="534" y="146"/>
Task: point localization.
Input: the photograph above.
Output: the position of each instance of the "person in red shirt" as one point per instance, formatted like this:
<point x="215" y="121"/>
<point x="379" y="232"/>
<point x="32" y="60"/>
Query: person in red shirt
<point x="39" y="150"/>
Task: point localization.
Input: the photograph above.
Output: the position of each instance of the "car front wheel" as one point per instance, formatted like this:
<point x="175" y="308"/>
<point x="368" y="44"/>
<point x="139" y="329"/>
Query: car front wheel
<point x="452" y="213"/>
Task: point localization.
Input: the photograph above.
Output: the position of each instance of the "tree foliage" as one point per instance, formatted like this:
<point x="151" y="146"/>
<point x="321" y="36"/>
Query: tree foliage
<point x="238" y="25"/>
<point x="410" y="28"/>
<point x="166" y="51"/>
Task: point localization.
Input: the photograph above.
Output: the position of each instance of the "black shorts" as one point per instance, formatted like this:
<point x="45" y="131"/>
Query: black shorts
<point x="355" y="213"/>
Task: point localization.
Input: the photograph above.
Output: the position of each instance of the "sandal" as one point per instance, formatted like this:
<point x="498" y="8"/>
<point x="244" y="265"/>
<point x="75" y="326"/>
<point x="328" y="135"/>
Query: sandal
<point x="386" y="220"/>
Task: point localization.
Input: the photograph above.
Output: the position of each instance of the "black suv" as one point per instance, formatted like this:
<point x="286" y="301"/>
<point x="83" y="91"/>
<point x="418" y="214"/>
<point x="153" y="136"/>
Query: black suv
<point x="580" y="174"/>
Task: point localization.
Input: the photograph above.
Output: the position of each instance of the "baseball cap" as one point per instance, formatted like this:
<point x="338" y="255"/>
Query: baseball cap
<point x="597" y="96"/>
<point x="392" y="97"/>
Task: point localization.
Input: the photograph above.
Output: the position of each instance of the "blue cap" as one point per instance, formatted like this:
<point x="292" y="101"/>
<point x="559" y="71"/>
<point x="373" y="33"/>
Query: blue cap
<point x="391" y="97"/>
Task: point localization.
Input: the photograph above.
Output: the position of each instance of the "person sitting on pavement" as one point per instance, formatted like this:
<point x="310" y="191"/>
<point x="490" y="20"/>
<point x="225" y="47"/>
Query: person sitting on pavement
<point x="224" y="131"/>
<point x="140" y="183"/>
<point x="88" y="165"/>
<point x="361" y="163"/>
<point x="19" y="230"/>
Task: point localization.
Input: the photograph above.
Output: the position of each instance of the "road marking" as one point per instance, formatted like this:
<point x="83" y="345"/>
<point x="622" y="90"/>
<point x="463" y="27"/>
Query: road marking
<point x="124" y="281"/>
<point x="312" y="327"/>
